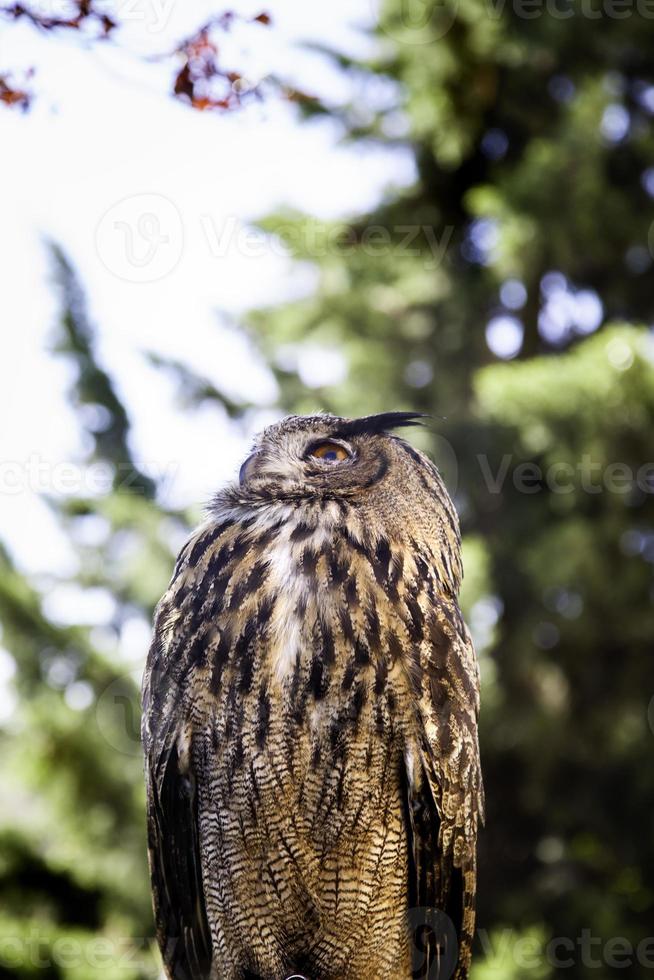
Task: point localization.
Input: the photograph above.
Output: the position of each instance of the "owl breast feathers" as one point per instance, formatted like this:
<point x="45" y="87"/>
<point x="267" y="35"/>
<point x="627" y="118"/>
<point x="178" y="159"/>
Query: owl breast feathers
<point x="310" y="720"/>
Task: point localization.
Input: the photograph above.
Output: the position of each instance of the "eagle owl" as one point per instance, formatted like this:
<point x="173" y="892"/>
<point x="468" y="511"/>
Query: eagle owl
<point x="310" y="720"/>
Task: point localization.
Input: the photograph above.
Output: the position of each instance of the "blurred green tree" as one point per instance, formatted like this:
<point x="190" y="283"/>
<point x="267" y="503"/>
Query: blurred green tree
<point x="526" y="231"/>
<point x="504" y="290"/>
<point x="74" y="890"/>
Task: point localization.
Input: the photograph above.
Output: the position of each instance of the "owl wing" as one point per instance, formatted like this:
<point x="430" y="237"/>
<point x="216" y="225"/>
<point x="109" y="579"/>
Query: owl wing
<point x="444" y="793"/>
<point x="172" y="809"/>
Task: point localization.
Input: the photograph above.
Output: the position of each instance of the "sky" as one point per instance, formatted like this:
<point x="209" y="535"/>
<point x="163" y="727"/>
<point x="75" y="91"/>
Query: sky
<point x="153" y="204"/>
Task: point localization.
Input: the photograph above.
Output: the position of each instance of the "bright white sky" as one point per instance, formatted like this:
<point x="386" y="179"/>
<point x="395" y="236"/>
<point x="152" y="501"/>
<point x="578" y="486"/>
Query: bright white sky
<point x="106" y="154"/>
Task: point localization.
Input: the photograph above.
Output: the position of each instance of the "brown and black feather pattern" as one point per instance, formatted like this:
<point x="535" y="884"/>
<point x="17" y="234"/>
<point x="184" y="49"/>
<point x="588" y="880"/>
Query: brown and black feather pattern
<point x="310" y="724"/>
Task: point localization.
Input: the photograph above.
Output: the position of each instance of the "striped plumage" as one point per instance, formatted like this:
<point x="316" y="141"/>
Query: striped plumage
<point x="310" y="721"/>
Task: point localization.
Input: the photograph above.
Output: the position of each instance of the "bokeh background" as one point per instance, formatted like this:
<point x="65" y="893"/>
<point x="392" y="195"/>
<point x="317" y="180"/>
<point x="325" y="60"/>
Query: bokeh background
<point x="212" y="218"/>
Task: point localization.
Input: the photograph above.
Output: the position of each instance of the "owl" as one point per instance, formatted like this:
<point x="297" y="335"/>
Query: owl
<point x="310" y="706"/>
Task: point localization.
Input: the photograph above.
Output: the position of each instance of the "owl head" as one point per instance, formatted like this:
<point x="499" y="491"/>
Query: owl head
<point x="358" y="462"/>
<point x="306" y="456"/>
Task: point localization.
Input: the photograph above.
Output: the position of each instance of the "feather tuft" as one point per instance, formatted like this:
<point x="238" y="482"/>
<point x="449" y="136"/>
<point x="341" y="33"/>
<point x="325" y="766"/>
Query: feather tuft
<point x="375" y="424"/>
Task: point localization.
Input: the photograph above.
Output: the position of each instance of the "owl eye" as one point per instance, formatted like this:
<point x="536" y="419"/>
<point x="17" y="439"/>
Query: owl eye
<point x="332" y="452"/>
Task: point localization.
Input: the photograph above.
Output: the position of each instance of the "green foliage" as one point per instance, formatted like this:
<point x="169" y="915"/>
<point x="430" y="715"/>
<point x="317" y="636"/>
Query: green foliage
<point x="73" y="868"/>
<point x="532" y="140"/>
<point x="531" y="137"/>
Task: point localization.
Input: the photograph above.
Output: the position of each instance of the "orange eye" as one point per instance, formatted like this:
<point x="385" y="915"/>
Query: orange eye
<point x="330" y="451"/>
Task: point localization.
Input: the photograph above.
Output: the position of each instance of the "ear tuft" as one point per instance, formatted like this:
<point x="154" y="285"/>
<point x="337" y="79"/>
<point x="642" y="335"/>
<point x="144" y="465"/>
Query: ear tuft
<point x="375" y="424"/>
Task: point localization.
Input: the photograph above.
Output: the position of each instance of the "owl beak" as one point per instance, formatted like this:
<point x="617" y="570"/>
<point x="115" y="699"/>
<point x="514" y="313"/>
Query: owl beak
<point x="246" y="468"/>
